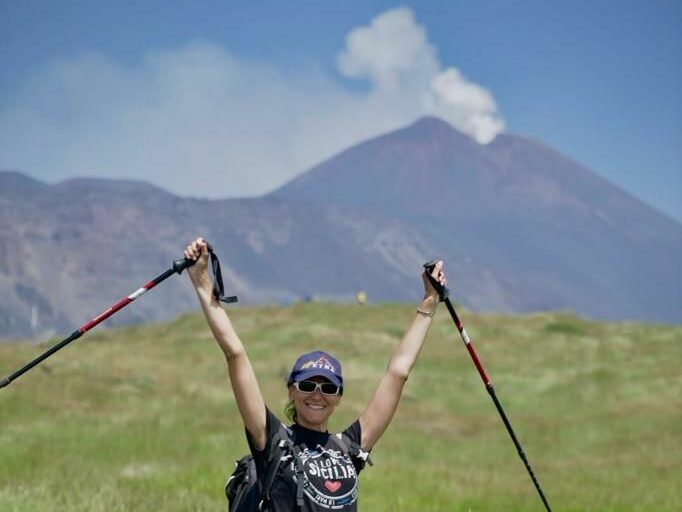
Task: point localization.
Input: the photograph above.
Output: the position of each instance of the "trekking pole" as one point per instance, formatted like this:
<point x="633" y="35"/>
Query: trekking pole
<point x="443" y="292"/>
<point x="177" y="268"/>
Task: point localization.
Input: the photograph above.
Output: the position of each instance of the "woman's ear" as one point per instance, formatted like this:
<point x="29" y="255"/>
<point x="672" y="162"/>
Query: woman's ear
<point x="290" y="388"/>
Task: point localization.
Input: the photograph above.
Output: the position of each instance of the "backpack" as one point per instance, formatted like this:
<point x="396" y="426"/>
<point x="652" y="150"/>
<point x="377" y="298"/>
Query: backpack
<point x="246" y="493"/>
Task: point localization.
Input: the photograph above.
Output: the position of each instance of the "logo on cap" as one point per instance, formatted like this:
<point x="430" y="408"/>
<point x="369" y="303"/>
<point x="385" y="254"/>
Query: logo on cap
<point x="321" y="364"/>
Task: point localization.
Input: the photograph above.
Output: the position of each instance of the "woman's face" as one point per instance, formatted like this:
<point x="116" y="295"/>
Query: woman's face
<point x="313" y="409"/>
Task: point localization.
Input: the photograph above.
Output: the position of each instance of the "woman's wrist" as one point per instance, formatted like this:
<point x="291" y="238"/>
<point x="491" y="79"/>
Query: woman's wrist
<point x="427" y="307"/>
<point x="201" y="282"/>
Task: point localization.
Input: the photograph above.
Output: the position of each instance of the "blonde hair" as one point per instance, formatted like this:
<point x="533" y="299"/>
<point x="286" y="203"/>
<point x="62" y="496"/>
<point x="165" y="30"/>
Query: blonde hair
<point x="290" y="411"/>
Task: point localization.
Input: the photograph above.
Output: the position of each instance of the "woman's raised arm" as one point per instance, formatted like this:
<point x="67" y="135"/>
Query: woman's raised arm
<point x="244" y="384"/>
<point x="383" y="404"/>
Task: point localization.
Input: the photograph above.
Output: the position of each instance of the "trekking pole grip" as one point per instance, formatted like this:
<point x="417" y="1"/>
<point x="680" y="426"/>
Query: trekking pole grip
<point x="443" y="292"/>
<point x="218" y="286"/>
<point x="183" y="263"/>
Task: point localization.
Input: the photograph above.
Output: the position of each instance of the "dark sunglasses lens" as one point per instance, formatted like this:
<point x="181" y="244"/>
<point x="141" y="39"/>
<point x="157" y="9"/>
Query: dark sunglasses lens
<point x="307" y="386"/>
<point x="329" y="389"/>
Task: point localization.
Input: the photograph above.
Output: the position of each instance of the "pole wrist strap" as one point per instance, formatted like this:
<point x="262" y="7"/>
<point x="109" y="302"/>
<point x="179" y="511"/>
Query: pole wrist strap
<point x="218" y="287"/>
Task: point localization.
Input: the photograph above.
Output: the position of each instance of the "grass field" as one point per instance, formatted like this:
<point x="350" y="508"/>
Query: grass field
<point x="142" y="418"/>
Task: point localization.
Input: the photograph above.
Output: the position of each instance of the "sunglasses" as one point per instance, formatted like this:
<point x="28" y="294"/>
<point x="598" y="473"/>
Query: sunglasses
<point x="326" y="388"/>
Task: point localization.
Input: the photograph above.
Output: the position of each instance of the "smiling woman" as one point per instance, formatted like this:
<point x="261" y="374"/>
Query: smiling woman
<point x="320" y="472"/>
<point x="315" y="389"/>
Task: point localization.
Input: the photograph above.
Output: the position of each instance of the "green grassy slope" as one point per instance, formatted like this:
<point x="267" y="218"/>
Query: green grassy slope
<point x="142" y="418"/>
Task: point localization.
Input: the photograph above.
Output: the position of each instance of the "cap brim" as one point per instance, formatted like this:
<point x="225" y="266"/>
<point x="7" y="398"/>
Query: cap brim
<point x="314" y="372"/>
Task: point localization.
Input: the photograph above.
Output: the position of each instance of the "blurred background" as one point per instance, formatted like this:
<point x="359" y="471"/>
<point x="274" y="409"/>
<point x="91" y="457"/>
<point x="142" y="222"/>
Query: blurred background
<point x="327" y="150"/>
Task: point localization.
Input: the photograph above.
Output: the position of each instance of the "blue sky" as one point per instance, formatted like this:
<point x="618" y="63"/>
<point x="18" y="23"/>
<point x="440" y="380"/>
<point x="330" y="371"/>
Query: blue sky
<point x="225" y="99"/>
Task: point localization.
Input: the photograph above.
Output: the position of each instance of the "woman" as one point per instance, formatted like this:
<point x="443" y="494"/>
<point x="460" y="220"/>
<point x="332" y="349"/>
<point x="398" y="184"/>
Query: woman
<point x="327" y="472"/>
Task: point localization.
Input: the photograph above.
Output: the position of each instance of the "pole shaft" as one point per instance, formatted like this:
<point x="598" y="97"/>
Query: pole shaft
<point x="519" y="448"/>
<point x="7" y="380"/>
<point x="467" y="343"/>
<point x="89" y="325"/>
<point x="491" y="391"/>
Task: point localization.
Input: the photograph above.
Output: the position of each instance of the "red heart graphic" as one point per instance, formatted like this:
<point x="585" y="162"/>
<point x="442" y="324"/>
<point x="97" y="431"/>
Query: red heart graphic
<point x="332" y="486"/>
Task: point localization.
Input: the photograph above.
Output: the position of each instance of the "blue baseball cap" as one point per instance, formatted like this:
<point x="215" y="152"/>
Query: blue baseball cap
<point x="316" y="364"/>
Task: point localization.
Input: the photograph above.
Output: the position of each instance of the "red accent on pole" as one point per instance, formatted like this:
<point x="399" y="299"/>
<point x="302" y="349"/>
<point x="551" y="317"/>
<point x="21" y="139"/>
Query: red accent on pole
<point x="105" y="314"/>
<point x="477" y="362"/>
<point x="469" y="345"/>
<point x="491" y="391"/>
<point x="113" y="309"/>
<point x="177" y="268"/>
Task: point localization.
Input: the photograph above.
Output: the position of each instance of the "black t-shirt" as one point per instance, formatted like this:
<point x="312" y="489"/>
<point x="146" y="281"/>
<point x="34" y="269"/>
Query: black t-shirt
<point x="330" y="476"/>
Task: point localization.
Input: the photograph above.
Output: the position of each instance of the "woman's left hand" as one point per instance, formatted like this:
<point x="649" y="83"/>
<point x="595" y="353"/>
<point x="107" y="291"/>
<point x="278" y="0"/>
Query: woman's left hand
<point x="431" y="297"/>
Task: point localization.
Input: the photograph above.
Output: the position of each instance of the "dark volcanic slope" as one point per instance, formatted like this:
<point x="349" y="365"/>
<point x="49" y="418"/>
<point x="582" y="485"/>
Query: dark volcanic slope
<point x="72" y="249"/>
<point x="522" y="228"/>
<point x="559" y="235"/>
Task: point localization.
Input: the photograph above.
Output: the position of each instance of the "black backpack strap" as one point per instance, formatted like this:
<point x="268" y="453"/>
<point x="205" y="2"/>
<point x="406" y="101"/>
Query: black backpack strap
<point x="299" y="472"/>
<point x="281" y="450"/>
<point x="350" y="447"/>
<point x="289" y="451"/>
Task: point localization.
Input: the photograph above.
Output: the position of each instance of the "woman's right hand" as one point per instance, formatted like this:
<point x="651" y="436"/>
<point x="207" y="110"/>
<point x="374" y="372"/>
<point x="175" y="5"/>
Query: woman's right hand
<point x="198" y="251"/>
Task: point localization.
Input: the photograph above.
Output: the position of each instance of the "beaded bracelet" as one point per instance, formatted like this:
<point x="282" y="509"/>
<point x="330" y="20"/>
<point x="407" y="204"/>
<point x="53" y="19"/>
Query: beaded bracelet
<point x="425" y="313"/>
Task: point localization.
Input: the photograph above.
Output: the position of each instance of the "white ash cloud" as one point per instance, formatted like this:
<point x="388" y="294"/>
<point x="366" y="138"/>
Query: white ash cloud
<point x="394" y="53"/>
<point x="198" y="120"/>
